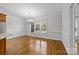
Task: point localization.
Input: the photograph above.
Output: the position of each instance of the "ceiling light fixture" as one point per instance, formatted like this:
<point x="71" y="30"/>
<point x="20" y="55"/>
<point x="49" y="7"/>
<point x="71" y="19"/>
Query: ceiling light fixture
<point x="29" y="18"/>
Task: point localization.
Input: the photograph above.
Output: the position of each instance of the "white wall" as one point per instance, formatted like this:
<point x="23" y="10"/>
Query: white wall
<point x="67" y="28"/>
<point x="54" y="22"/>
<point x="15" y="26"/>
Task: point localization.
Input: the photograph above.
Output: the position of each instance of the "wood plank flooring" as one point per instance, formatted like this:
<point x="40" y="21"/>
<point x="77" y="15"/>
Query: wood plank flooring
<point x="28" y="45"/>
<point x="3" y="46"/>
<point x="77" y="42"/>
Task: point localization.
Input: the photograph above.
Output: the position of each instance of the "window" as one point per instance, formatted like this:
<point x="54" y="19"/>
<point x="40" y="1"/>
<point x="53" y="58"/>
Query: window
<point x="43" y="28"/>
<point x="37" y="27"/>
<point x="32" y="27"/>
<point x="40" y="27"/>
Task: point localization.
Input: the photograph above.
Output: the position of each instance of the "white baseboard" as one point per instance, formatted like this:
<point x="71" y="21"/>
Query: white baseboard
<point x="14" y="35"/>
<point x="70" y="51"/>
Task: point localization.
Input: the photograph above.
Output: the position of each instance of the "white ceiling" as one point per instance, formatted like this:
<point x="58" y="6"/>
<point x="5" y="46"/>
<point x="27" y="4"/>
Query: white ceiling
<point x="31" y="9"/>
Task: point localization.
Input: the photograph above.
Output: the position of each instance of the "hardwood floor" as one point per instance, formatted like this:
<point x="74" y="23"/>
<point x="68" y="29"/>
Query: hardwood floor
<point x="77" y="41"/>
<point x="2" y="46"/>
<point x="27" y="45"/>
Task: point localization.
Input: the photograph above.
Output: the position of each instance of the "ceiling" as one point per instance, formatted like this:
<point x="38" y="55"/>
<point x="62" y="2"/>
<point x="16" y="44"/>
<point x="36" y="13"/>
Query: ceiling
<point x="25" y="10"/>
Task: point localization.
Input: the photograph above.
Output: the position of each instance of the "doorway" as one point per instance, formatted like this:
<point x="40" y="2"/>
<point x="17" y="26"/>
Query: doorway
<point x="76" y="26"/>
